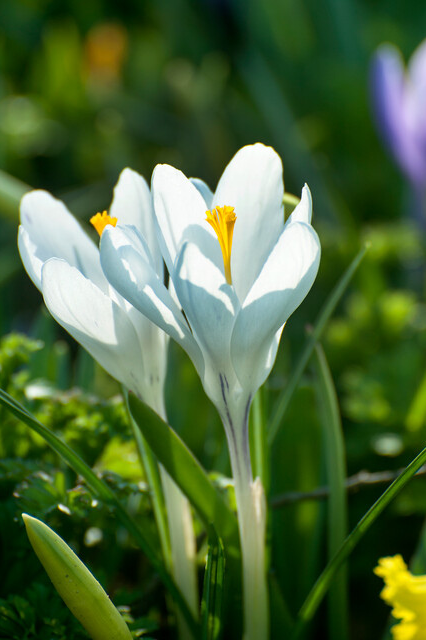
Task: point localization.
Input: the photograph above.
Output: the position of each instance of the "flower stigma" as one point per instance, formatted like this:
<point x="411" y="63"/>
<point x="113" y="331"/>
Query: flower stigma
<point x="222" y="219"/>
<point x="101" y="220"/>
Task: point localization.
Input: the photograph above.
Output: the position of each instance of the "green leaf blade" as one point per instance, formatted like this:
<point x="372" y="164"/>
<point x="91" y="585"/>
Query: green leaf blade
<point x="186" y="471"/>
<point x="322" y="585"/>
<point x="211" y="606"/>
<point x="335" y="464"/>
<point x="76" y="585"/>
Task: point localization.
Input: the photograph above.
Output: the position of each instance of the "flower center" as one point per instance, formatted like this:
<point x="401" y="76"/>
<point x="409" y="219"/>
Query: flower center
<point x="222" y="219"/>
<point x="100" y="221"/>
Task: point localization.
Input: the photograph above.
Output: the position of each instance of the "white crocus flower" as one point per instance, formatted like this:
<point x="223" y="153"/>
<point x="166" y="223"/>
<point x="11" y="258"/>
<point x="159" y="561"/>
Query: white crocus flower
<point x="237" y="276"/>
<point x="64" y="264"/>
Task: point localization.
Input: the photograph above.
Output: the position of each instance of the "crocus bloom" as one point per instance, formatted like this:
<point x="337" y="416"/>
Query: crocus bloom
<point x="64" y="264"/>
<point x="227" y="307"/>
<point x="406" y="594"/>
<point x="237" y="273"/>
<point x="399" y="98"/>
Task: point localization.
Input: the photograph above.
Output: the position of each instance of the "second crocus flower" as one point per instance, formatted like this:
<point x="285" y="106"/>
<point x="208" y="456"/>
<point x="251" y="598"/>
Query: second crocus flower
<point x="64" y="264"/>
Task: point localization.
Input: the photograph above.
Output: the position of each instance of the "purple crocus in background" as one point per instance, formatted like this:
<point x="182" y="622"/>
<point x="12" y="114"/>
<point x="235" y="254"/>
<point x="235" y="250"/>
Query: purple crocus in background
<point x="399" y="102"/>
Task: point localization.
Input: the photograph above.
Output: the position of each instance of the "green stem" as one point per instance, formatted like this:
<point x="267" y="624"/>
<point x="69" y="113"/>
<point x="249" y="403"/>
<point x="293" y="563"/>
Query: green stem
<point x="334" y="452"/>
<point x="174" y="523"/>
<point x="183" y="549"/>
<point x="320" y="324"/>
<point x="183" y="544"/>
<point x="251" y="511"/>
<point x="321" y="586"/>
<point x="259" y="444"/>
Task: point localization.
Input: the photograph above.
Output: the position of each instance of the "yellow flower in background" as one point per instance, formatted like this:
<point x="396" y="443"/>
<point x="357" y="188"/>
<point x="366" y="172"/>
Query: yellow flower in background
<point x="406" y="594"/>
<point x="105" y="52"/>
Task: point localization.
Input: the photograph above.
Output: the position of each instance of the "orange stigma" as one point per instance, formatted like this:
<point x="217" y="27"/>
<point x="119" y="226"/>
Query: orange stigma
<point x="101" y="220"/>
<point x="222" y="219"/>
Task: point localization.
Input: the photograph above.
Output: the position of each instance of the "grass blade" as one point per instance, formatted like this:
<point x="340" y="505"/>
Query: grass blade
<point x="211" y="605"/>
<point x="102" y="491"/>
<point x="335" y="466"/>
<point x="321" y="586"/>
<point x="150" y="468"/>
<point x="320" y="324"/>
<point x="186" y="471"/>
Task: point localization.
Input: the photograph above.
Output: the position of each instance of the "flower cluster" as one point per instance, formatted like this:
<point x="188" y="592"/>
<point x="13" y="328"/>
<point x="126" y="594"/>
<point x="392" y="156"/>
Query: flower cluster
<point x="236" y="270"/>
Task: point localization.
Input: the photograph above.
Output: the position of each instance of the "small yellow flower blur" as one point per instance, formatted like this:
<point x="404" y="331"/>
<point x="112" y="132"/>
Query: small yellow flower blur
<point x="406" y="594"/>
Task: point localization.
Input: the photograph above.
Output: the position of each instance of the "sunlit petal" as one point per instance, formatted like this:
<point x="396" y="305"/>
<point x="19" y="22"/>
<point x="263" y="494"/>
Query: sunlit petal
<point x="205" y="191"/>
<point x="210" y="306"/>
<point x="283" y="283"/>
<point x="94" y="320"/>
<point x="52" y="232"/>
<point x="126" y="264"/>
<point x="303" y="211"/>
<point x="132" y="205"/>
<point x="180" y="211"/>
<point x="252" y="183"/>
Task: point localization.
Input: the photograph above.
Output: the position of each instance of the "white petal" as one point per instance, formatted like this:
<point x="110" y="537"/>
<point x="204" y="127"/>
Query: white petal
<point x="205" y="191"/>
<point x="153" y="345"/>
<point x="253" y="184"/>
<point x="52" y="232"/>
<point x="28" y="252"/>
<point x="283" y="283"/>
<point x="94" y="320"/>
<point x="181" y="215"/>
<point x="131" y="274"/>
<point x="132" y="205"/>
<point x="303" y="211"/>
<point x="210" y="305"/>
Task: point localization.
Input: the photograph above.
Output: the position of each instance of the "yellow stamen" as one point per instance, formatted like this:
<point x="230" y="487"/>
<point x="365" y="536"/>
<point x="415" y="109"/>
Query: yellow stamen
<point x="222" y="219"/>
<point x="100" y="221"/>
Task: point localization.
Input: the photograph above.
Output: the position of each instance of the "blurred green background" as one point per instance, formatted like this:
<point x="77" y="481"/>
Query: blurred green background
<point x="89" y="87"/>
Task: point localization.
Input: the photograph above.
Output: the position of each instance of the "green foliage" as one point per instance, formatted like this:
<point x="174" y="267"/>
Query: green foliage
<point x="15" y="350"/>
<point x="186" y="471"/>
<point x="39" y="615"/>
<point x="40" y="484"/>
<point x="191" y="83"/>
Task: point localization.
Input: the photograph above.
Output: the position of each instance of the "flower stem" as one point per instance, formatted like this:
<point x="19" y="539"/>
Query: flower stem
<point x="183" y="548"/>
<point x="251" y="508"/>
<point x="175" y="525"/>
<point x="182" y="543"/>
